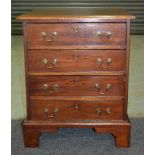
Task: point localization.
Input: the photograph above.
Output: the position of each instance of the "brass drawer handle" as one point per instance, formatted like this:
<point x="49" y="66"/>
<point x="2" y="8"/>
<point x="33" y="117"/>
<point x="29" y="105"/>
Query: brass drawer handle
<point x="102" y="89"/>
<point x="53" y="35"/>
<point x="45" y="36"/>
<point x="103" y="63"/>
<point x="76" y="106"/>
<point x="45" y="86"/>
<point x="76" y="29"/>
<point x="53" y="114"/>
<point x="102" y="35"/>
<point x="49" y="64"/>
<point x="98" y="111"/>
<point x="107" y="111"/>
<point x="54" y="88"/>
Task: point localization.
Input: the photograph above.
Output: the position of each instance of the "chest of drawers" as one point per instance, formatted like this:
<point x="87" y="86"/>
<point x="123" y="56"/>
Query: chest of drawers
<point x="76" y="71"/>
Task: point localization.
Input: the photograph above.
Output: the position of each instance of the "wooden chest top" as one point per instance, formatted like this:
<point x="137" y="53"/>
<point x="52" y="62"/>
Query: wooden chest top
<point x="76" y="13"/>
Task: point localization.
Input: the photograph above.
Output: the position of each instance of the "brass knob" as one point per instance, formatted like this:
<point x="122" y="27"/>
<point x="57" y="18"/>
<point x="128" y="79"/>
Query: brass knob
<point x="43" y="34"/>
<point x="76" y="106"/>
<point x="109" y="34"/>
<point x="99" y="34"/>
<point x="98" y="60"/>
<point x="97" y="86"/>
<point x="109" y="86"/>
<point x="109" y="61"/>
<point x="98" y="111"/>
<point x="45" y="61"/>
<point x="55" y="86"/>
<point x="108" y="110"/>
<point x="54" y="33"/>
<point x="45" y="86"/>
<point x="77" y="29"/>
<point x="55" y="61"/>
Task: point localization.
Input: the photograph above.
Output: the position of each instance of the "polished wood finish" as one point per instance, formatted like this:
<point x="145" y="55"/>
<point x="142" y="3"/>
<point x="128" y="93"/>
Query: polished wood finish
<point x="76" y="60"/>
<point x="121" y="134"/>
<point x="75" y="13"/>
<point x="120" y="129"/>
<point x="32" y="134"/>
<point x="76" y="110"/>
<point x="76" y="69"/>
<point x="76" y="85"/>
<point x="77" y="35"/>
<point x="110" y="73"/>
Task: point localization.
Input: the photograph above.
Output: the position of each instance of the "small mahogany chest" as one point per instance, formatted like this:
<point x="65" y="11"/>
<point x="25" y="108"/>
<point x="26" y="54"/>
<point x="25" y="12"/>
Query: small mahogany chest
<point x="76" y="70"/>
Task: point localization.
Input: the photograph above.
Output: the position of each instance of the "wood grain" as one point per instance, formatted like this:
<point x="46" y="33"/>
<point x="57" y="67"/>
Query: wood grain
<point x="76" y="85"/>
<point x="76" y="60"/>
<point x="75" y="35"/>
<point x="70" y="13"/>
<point x="76" y="110"/>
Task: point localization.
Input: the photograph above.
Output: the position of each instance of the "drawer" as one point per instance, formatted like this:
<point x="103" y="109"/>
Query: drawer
<point x="76" y="110"/>
<point x="76" y="85"/>
<point x="76" y="60"/>
<point x="76" y="35"/>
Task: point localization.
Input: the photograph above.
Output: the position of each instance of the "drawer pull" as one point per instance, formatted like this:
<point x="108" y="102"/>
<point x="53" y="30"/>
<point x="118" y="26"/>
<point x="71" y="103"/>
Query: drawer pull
<point x="53" y="35"/>
<point x="103" y="63"/>
<point x="48" y="64"/>
<point x="76" y="106"/>
<point x="45" y="86"/>
<point x="105" y="112"/>
<point x="108" y="110"/>
<point x="53" y="114"/>
<point x="102" y="35"/>
<point x="102" y="89"/>
<point x="98" y="111"/>
<point x="77" y="29"/>
<point x="108" y="34"/>
<point x="55" y="87"/>
<point x="109" y="61"/>
<point x="109" y="86"/>
<point x="44" y="36"/>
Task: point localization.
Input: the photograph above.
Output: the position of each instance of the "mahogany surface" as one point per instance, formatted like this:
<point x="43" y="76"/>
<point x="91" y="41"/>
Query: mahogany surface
<point x="76" y="110"/>
<point x="76" y="85"/>
<point x="76" y="71"/>
<point x="75" y="35"/>
<point x="76" y="60"/>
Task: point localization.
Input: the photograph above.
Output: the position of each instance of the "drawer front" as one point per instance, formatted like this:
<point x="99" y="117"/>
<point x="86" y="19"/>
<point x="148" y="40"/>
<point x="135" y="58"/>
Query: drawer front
<point x="76" y="60"/>
<point x="76" y="35"/>
<point x="76" y="85"/>
<point x="76" y="110"/>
